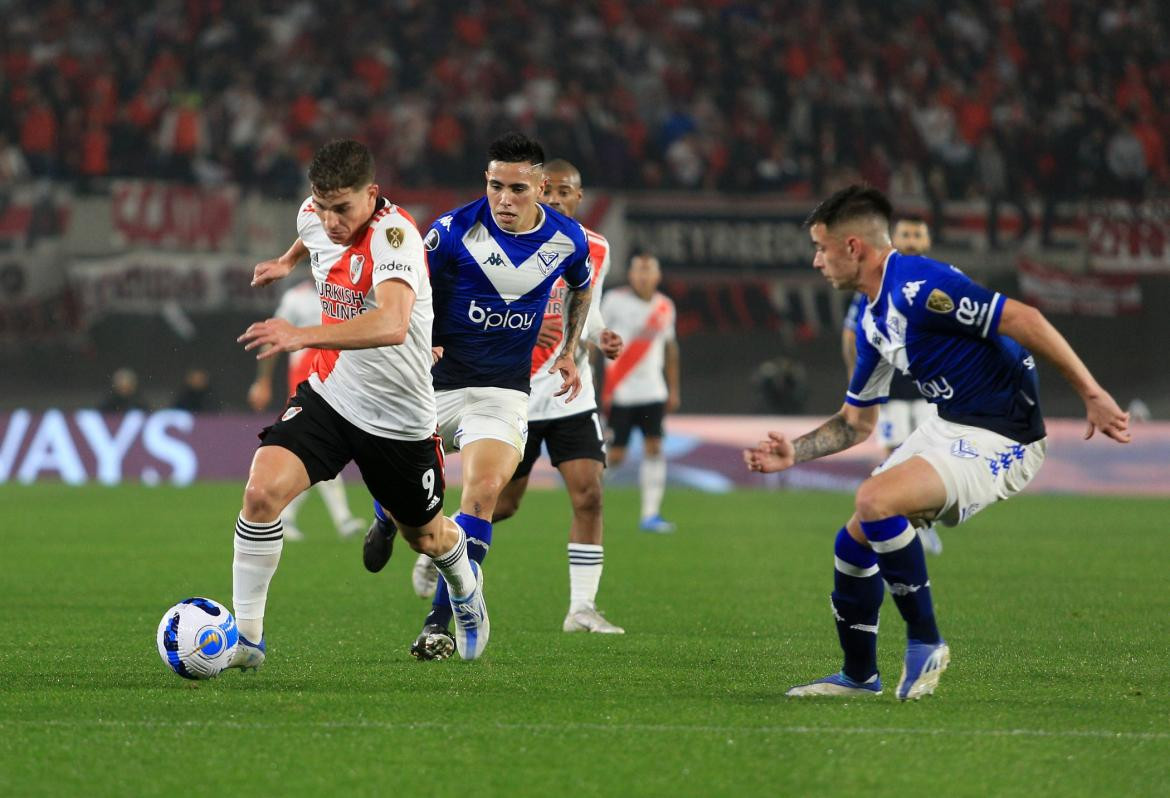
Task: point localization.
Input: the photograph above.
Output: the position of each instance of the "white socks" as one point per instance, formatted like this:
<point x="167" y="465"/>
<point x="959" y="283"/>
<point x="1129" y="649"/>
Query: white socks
<point x="652" y="478"/>
<point x="456" y="567"/>
<point x="257" y="553"/>
<point x="585" y="561"/>
<point x="333" y="493"/>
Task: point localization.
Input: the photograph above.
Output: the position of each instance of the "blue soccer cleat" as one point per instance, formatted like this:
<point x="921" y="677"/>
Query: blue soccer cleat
<point x="471" y="619"/>
<point x="656" y="524"/>
<point x="924" y="663"/>
<point x="249" y="656"/>
<point x="838" y="684"/>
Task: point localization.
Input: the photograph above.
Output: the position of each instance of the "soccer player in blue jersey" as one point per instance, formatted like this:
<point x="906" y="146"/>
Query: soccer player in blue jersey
<point x="493" y="264"/>
<point x="968" y="349"/>
<point x="905" y="409"/>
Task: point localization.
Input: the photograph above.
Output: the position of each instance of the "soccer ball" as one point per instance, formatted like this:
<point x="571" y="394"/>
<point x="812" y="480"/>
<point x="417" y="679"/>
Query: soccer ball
<point x="197" y="638"/>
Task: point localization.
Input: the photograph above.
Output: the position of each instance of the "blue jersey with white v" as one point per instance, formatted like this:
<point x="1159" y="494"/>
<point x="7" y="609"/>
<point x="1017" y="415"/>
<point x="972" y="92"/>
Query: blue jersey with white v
<point x="490" y="291"/>
<point x="930" y="321"/>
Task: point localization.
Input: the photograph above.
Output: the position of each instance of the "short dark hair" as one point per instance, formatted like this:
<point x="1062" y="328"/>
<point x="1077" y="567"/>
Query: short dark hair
<point x="515" y="147"/>
<point x="854" y="202"/>
<point x="341" y="164"/>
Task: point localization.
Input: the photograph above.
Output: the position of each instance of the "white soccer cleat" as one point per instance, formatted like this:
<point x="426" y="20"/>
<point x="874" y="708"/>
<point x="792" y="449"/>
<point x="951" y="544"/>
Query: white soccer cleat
<point x="931" y="542"/>
<point x="588" y="619"/>
<point x="837" y="684"/>
<point x="350" y="527"/>
<point x="471" y="619"/>
<point x="921" y="669"/>
<point x="249" y="656"/>
<point x="425" y="577"/>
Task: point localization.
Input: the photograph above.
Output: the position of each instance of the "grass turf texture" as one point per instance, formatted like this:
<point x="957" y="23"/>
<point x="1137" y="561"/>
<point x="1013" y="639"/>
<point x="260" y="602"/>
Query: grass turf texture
<point x="1055" y="608"/>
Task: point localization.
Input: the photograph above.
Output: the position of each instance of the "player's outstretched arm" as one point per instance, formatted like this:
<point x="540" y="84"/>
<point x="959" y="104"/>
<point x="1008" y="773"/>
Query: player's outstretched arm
<point x="849" y="427"/>
<point x="386" y="325"/>
<point x="1029" y="327"/>
<point x="574" y="322"/>
<point x="269" y="271"/>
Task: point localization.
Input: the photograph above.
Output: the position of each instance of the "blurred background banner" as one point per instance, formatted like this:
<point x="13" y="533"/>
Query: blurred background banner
<point x="704" y="452"/>
<point x="148" y="160"/>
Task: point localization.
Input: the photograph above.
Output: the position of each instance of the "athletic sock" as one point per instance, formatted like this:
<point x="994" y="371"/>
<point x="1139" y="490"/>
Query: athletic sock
<point x="257" y="553"/>
<point x="856" y="601"/>
<point x="455" y="568"/>
<point x="333" y="493"/>
<point x="479" y="539"/>
<point x="585" y="561"/>
<point x="652" y="479"/>
<point x="902" y="563"/>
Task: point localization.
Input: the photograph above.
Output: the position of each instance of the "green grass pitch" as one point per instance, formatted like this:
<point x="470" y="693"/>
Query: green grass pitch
<point x="1057" y="610"/>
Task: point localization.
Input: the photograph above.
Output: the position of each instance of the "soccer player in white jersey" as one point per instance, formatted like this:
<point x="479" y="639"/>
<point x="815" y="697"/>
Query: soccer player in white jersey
<point x="493" y="263"/>
<point x="905" y="409"/>
<point x="969" y="349"/>
<point x="301" y="307"/>
<point x="642" y="384"/>
<point x="571" y="431"/>
<point x="368" y="397"/>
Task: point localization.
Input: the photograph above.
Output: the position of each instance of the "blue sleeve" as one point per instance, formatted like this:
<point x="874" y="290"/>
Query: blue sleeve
<point x="870" y="384"/>
<point x="957" y="305"/>
<point x="437" y="245"/>
<point x="578" y="273"/>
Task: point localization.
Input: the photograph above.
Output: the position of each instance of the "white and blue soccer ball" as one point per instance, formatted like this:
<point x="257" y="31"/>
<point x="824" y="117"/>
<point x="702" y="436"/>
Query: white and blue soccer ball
<point x="197" y="638"/>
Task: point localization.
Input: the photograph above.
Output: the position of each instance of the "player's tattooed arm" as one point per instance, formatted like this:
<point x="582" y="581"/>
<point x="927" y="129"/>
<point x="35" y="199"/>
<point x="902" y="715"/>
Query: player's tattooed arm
<point x="835" y="435"/>
<point x="575" y="319"/>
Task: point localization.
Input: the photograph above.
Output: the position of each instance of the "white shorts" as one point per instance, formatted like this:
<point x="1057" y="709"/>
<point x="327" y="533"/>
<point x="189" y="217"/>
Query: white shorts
<point x="472" y="414"/>
<point x="978" y="467"/>
<point x="897" y="418"/>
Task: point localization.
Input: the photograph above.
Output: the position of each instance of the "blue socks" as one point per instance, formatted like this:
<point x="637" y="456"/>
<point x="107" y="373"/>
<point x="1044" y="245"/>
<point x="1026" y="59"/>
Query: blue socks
<point x="902" y="564"/>
<point x="479" y="540"/>
<point x="856" y="601"/>
<point x="380" y="513"/>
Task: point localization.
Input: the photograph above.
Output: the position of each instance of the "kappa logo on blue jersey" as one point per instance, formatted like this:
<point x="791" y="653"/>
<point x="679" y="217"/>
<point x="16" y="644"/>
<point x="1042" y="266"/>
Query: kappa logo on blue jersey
<point x="547" y="259"/>
<point x="910" y="290"/>
<point x="494" y="260"/>
<point x="965" y="449"/>
<point x="446" y="222"/>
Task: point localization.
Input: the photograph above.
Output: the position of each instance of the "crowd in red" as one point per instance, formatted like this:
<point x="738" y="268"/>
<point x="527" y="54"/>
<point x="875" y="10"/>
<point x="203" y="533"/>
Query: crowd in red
<point x="1011" y="99"/>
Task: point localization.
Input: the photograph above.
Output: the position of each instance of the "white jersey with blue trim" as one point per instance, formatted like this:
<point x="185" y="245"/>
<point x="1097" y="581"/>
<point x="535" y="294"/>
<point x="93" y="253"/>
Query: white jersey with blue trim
<point x="491" y="288"/>
<point x="931" y="322"/>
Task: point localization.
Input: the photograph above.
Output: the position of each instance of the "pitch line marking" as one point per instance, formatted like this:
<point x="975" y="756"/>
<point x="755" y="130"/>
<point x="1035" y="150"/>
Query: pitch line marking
<point x="1101" y="734"/>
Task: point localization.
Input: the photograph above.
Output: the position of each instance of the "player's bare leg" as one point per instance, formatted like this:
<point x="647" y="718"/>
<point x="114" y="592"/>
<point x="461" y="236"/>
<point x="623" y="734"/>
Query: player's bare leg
<point x="586" y="555"/>
<point x="275" y="478"/>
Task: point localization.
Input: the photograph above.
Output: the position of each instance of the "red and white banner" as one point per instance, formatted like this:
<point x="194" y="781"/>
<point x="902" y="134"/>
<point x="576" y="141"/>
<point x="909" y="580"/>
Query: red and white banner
<point x="1124" y="237"/>
<point x="173" y="216"/>
<point x="1057" y="291"/>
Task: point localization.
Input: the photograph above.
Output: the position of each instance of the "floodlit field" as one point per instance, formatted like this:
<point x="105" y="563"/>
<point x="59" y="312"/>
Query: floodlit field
<point x="1057" y="610"/>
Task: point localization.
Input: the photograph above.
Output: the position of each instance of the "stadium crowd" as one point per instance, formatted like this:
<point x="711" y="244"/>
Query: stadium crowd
<point x="1010" y="99"/>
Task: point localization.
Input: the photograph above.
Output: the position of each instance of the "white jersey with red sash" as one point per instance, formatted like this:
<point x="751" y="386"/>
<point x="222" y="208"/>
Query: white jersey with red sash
<point x="384" y="391"/>
<point x="636" y="377"/>
<point x="542" y="404"/>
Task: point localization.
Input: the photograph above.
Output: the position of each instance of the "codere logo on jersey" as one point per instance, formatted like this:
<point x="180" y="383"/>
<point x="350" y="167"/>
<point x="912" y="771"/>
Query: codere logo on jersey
<point x="492" y="320"/>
